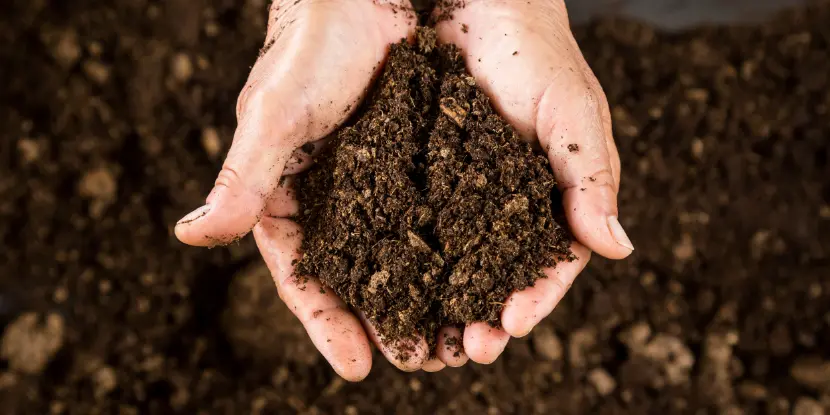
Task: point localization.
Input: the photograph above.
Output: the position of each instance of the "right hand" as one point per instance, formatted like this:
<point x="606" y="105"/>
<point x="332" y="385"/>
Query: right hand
<point x="320" y="60"/>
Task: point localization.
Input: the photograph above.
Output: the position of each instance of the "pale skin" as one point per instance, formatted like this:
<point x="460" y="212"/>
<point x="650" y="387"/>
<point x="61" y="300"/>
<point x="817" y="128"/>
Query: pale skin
<point x="322" y="58"/>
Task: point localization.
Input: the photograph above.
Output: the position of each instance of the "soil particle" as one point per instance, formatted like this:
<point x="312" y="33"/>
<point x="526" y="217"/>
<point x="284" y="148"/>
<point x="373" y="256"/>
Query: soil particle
<point x="573" y="148"/>
<point x="30" y="342"/>
<point x="685" y="249"/>
<point x="105" y="381"/>
<point x="65" y="47"/>
<point x="579" y="346"/>
<point x="97" y="71"/>
<point x="752" y="391"/>
<point x="670" y="360"/>
<point x="211" y="142"/>
<point x="715" y="379"/>
<point x="807" y="406"/>
<point x="182" y="67"/>
<point x="100" y="186"/>
<point x="603" y="382"/>
<point x="29" y="149"/>
<point x="307" y="148"/>
<point x="547" y="344"/>
<point x="812" y="372"/>
<point x="428" y="210"/>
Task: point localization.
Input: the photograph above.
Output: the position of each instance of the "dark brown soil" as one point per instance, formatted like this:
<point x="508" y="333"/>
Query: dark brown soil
<point x="429" y="210"/>
<point x="109" y="136"/>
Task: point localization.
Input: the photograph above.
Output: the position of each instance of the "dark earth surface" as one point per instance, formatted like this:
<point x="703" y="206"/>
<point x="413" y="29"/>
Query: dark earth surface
<point x="429" y="210"/>
<point x="115" y="119"/>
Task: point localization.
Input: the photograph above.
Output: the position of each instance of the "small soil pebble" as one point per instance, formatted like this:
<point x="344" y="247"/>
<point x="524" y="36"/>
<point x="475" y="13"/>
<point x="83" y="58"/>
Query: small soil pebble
<point x="428" y="210"/>
<point x="603" y="382"/>
<point x="30" y="342"/>
<point x="547" y="344"/>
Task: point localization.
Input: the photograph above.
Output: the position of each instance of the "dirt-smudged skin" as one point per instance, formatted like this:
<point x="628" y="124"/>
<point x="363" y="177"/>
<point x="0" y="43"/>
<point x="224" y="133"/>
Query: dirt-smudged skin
<point x="428" y="210"/>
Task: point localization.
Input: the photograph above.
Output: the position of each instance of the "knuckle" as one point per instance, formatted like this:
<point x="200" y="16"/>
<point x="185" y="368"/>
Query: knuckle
<point x="228" y="177"/>
<point x="254" y="95"/>
<point x="242" y="101"/>
<point x="602" y="177"/>
<point x="593" y="96"/>
<point x="590" y="100"/>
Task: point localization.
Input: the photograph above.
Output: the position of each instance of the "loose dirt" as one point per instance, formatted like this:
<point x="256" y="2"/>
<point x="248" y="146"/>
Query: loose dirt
<point x="429" y="210"/>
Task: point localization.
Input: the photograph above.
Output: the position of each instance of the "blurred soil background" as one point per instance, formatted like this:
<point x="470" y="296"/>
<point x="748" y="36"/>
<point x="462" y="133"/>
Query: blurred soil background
<point x="115" y="117"/>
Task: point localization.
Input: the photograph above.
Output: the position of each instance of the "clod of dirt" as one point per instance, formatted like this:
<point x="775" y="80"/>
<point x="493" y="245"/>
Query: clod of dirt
<point x="29" y="342"/>
<point x="98" y="185"/>
<point x="29" y="150"/>
<point x="429" y="210"/>
<point x="602" y="381"/>
<point x="105" y="380"/>
<point x="715" y="380"/>
<point x="97" y="71"/>
<point x="211" y="142"/>
<point x="259" y="325"/>
<point x="547" y="344"/>
<point x="666" y="357"/>
<point x="812" y="372"/>
<point x="65" y="48"/>
<point x="752" y="391"/>
<point x="579" y="346"/>
<point x="807" y="406"/>
<point x="181" y="67"/>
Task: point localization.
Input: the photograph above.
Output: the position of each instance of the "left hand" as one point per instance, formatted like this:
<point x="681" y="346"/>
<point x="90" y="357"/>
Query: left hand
<point x="526" y="59"/>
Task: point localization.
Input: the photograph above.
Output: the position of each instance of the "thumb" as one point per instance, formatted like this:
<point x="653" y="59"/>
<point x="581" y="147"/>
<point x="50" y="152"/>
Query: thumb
<point x="249" y="176"/>
<point x="578" y="140"/>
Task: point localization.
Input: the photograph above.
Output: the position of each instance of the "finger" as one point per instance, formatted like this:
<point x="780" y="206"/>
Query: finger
<point x="433" y="365"/>
<point x="407" y="355"/>
<point x="484" y="343"/>
<point x="584" y="161"/>
<point x="333" y="329"/>
<point x="303" y="157"/>
<point x="283" y="203"/>
<point x="450" y="347"/>
<point x="526" y="308"/>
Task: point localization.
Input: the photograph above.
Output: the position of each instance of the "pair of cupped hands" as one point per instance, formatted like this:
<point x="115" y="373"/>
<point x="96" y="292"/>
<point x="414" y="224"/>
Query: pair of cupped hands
<point x="321" y="58"/>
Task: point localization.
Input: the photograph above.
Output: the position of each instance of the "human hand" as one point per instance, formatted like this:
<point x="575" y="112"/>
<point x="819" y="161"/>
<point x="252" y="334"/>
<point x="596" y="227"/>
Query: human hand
<point x="318" y="63"/>
<point x="524" y="56"/>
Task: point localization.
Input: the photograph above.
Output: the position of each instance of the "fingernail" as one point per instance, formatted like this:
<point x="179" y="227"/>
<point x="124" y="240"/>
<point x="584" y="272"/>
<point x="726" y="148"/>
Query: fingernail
<point x="618" y="232"/>
<point x="195" y="215"/>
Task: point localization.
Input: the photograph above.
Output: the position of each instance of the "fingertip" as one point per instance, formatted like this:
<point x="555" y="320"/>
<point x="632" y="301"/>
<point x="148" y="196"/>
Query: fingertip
<point x="407" y="354"/>
<point x="526" y="308"/>
<point x="227" y="217"/>
<point x="340" y="338"/>
<point x="483" y="343"/>
<point x="619" y="235"/>
<point x="185" y="231"/>
<point x="433" y="365"/>
<point x="518" y="325"/>
<point x="450" y="348"/>
<point x="592" y="217"/>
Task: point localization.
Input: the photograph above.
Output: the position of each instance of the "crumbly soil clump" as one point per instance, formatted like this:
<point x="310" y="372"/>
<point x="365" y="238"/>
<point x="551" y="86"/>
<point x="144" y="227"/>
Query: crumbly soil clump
<point x="429" y="210"/>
